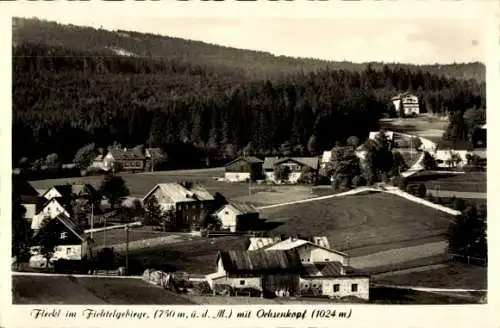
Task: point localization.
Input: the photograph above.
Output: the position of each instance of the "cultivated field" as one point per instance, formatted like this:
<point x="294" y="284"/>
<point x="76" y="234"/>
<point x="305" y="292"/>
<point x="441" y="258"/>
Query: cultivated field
<point x="357" y="221"/>
<point x="89" y="290"/>
<point x="468" y="182"/>
<point x="140" y="184"/>
<point x="453" y="275"/>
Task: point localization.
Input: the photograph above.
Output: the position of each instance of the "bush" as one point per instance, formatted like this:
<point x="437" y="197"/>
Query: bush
<point x="421" y="190"/>
<point x="358" y="181"/>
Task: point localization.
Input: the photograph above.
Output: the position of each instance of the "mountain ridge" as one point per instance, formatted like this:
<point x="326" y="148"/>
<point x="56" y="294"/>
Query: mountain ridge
<point x="254" y="63"/>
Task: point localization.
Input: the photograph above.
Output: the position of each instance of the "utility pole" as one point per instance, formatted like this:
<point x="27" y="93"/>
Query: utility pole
<point x="126" y="248"/>
<point x="92" y="221"/>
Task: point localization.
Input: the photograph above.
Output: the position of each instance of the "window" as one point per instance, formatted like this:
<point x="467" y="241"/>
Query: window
<point x="326" y="260"/>
<point x="314" y="285"/>
<point x="308" y="260"/>
<point x="201" y="206"/>
<point x="306" y="286"/>
<point x="242" y="282"/>
<point x="336" y="288"/>
<point x="354" y="287"/>
<point x="63" y="235"/>
<point x="68" y="251"/>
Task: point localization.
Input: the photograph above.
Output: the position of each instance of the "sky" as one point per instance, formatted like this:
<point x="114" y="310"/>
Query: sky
<point x="396" y="38"/>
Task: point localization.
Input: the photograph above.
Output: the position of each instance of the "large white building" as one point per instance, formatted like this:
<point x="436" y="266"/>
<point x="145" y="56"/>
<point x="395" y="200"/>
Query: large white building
<point x="406" y="102"/>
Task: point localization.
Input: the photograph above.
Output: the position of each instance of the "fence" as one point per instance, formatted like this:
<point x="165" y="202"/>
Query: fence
<point x="469" y="259"/>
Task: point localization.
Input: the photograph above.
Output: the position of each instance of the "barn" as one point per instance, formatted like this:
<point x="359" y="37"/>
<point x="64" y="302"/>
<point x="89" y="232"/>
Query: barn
<point x="243" y="169"/>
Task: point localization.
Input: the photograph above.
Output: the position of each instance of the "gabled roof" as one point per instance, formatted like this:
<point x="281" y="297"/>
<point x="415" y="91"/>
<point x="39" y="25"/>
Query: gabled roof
<point x="179" y="193"/>
<point x="64" y="202"/>
<point x="260" y="261"/>
<point x="120" y="154"/>
<point x="270" y="162"/>
<point x="240" y="208"/>
<point x="248" y="159"/>
<point x="455" y="145"/>
<point x="262" y="242"/>
<point x="293" y="243"/>
<point x="325" y="269"/>
<point x="68" y="223"/>
<point x="74" y="190"/>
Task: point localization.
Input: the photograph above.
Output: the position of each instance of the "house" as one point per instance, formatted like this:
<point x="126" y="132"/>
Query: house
<point x="406" y="103"/>
<point x="293" y="168"/>
<point x="266" y="271"/>
<point x="328" y="154"/>
<point x="190" y="203"/>
<point x="98" y="163"/>
<point x="71" y="191"/>
<point x="237" y="216"/>
<point x="123" y="159"/>
<point x="243" y="169"/>
<point x="282" y="272"/>
<point x="315" y="251"/>
<point x="71" y="243"/>
<point x="51" y="209"/>
<point x="452" y="153"/>
<point x="334" y="280"/>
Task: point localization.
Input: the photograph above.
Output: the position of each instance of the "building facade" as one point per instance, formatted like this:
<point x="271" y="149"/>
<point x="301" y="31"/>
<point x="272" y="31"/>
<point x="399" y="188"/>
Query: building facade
<point x="237" y="216"/>
<point x="243" y="169"/>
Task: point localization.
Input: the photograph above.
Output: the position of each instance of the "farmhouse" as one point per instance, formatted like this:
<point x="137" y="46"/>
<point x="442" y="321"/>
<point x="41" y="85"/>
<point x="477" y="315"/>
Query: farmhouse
<point x="71" y="243"/>
<point x="406" y="103"/>
<point x="292" y="168"/>
<point x="244" y="169"/>
<point x="123" y="159"/>
<point x="71" y="191"/>
<point x="334" y="280"/>
<point x="237" y="216"/>
<point x="190" y="203"/>
<point x="51" y="209"/>
<point x="265" y="271"/>
<point x="282" y="272"/>
<point x="452" y="153"/>
<point x="315" y="251"/>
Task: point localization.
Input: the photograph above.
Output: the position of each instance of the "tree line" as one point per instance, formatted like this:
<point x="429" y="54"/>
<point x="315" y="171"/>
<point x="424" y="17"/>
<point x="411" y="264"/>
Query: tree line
<point x="65" y="99"/>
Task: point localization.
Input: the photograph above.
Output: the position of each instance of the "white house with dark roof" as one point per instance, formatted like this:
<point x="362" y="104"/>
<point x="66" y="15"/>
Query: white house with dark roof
<point x="243" y="169"/>
<point x="237" y="216"/>
<point x="295" y="166"/>
<point x="190" y="204"/>
<point x="452" y="153"/>
<point x="407" y="103"/>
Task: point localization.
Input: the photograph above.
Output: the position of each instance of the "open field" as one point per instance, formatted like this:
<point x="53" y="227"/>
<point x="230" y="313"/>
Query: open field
<point x="453" y="275"/>
<point x="468" y="182"/>
<point x="89" y="290"/>
<point x="197" y="256"/>
<point x="140" y="184"/>
<point x="118" y="236"/>
<point x="428" y="127"/>
<point x="361" y="220"/>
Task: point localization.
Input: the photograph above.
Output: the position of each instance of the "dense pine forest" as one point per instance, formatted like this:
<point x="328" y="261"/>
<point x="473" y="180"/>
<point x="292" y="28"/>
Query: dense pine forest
<point x="71" y="88"/>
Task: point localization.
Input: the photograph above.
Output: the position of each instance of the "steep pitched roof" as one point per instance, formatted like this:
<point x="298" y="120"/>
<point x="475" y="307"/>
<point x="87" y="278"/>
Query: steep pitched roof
<point x="262" y="242"/>
<point x="241" y="208"/>
<point x="260" y="261"/>
<point x="248" y="159"/>
<point x="292" y="243"/>
<point x="179" y="193"/>
<point x="64" y="202"/>
<point x="68" y="223"/>
<point x="120" y="154"/>
<point x="325" y="269"/>
<point x="270" y="162"/>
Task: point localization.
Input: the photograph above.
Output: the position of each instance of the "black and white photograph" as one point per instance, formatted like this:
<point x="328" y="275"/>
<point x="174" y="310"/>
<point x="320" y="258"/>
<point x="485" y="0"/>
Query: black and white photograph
<point x="248" y="161"/>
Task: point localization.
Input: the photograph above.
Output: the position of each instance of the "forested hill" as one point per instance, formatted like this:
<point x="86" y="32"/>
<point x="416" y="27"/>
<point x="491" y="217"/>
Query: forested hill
<point x="68" y="96"/>
<point x="248" y="62"/>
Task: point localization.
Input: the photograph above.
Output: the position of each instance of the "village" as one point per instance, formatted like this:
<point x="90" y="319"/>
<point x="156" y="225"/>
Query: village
<point x="96" y="226"/>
